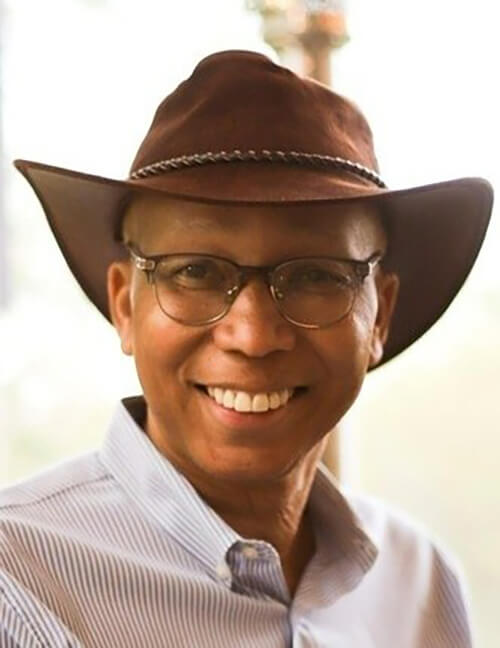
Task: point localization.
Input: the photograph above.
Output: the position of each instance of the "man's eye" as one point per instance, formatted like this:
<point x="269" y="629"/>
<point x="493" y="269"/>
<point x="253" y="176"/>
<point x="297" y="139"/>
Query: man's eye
<point x="194" y="271"/>
<point x="316" y="279"/>
<point x="190" y="273"/>
<point x="317" y="276"/>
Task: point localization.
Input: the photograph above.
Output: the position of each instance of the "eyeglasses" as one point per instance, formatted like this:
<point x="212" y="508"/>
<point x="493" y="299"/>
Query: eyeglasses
<point x="199" y="289"/>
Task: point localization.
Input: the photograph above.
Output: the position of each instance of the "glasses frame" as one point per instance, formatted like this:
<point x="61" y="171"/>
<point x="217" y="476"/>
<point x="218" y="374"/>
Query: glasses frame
<point x="363" y="268"/>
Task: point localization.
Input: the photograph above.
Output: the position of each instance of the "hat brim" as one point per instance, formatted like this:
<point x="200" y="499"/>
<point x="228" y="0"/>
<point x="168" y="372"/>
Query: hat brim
<point x="436" y="230"/>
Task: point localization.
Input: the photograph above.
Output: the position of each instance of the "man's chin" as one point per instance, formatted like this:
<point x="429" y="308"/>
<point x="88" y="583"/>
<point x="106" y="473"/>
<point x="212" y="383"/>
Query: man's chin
<point x="253" y="467"/>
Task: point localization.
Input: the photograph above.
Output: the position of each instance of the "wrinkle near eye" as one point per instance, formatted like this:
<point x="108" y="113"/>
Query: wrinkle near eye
<point x="366" y="304"/>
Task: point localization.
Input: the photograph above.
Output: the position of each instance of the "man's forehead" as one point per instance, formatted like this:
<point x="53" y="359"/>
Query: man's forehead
<point x="151" y="216"/>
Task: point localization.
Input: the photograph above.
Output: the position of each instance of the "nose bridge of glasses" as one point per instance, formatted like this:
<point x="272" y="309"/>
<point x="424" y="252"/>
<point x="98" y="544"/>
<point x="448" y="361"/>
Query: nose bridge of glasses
<point x="245" y="273"/>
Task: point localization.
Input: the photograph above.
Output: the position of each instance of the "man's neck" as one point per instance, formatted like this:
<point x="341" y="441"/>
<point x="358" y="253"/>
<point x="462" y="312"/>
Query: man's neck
<point x="277" y="515"/>
<point x="270" y="509"/>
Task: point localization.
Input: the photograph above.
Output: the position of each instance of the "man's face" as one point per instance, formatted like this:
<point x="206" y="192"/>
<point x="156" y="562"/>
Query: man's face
<point x="253" y="349"/>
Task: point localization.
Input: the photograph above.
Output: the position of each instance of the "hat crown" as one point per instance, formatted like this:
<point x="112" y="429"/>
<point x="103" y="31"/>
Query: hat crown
<point x="238" y="100"/>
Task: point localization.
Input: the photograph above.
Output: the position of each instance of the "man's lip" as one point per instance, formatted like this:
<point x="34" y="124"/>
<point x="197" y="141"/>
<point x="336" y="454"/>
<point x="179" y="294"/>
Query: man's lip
<point x="249" y="389"/>
<point x="250" y="422"/>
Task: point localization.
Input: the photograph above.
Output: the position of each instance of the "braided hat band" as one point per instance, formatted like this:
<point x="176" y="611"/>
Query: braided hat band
<point x="287" y="157"/>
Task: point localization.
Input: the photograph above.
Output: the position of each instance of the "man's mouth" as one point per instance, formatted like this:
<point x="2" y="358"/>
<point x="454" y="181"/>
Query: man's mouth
<point x="251" y="402"/>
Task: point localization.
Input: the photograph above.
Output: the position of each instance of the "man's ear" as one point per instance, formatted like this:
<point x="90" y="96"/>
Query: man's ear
<point x="387" y="290"/>
<point x="119" y="283"/>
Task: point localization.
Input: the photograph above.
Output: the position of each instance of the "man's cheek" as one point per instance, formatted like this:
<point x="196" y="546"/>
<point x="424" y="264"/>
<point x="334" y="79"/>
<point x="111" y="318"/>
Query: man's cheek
<point x="363" y="318"/>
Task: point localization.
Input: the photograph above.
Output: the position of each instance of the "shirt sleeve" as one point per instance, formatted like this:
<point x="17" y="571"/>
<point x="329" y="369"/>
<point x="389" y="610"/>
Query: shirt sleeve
<point x="418" y="584"/>
<point x="15" y="631"/>
<point x="26" y="623"/>
<point x="445" y="617"/>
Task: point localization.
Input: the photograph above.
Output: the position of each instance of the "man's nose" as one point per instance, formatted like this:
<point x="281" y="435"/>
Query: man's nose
<point x="253" y="325"/>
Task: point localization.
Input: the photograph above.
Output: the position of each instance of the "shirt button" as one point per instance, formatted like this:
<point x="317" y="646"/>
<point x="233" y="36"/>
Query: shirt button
<point x="223" y="571"/>
<point x="250" y="552"/>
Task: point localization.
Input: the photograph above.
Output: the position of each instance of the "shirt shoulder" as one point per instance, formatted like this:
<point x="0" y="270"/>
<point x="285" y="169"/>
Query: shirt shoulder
<point x="51" y="500"/>
<point x="418" y="573"/>
<point x="35" y="516"/>
<point x="55" y="483"/>
<point x="395" y="531"/>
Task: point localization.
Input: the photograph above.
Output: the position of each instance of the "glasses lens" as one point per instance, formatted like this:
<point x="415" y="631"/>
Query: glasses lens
<point x="315" y="292"/>
<point x="193" y="288"/>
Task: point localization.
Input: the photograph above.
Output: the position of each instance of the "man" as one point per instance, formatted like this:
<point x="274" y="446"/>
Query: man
<point x="256" y="267"/>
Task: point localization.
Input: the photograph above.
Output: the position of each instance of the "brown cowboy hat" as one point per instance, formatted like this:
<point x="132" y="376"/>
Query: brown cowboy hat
<point x="244" y="130"/>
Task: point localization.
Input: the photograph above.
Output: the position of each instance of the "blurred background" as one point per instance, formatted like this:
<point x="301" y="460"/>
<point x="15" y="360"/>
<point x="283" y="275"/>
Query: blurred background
<point x="79" y="82"/>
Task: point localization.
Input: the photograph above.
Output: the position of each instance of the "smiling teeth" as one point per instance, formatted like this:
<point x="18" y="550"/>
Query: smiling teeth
<point x="244" y="402"/>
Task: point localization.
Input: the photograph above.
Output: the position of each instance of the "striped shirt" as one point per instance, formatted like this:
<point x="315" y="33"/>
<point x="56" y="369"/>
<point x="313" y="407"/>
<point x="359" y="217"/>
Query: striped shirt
<point x="116" y="549"/>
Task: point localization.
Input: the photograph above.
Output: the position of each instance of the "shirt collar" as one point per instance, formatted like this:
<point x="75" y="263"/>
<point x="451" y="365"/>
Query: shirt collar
<point x="345" y="552"/>
<point x="162" y="492"/>
<point x="168" y="498"/>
